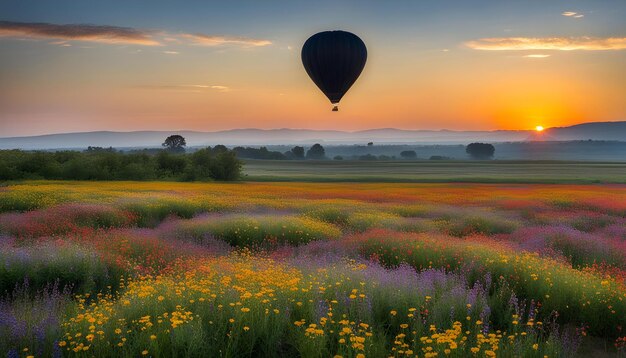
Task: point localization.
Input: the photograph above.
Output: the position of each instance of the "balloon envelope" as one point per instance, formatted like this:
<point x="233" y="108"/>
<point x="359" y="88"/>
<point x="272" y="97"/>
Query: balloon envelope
<point x="334" y="60"/>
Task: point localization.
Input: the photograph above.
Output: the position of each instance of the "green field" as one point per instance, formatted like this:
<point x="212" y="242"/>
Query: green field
<point x="436" y="171"/>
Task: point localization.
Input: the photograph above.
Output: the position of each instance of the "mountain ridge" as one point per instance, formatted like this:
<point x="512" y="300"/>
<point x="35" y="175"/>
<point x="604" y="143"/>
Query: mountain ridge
<point x="610" y="131"/>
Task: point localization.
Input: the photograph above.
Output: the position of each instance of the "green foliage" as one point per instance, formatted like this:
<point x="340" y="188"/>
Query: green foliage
<point x="260" y="231"/>
<point x="175" y="143"/>
<point x="316" y="152"/>
<point x="480" y="150"/>
<point x="106" y="164"/>
<point x="67" y="266"/>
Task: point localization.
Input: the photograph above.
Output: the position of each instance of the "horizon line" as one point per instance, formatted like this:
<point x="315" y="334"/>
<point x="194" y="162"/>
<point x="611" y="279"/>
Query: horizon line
<point x="305" y="129"/>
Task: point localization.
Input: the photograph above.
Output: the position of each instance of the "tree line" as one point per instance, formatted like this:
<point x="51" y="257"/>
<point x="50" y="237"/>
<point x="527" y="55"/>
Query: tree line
<point x="316" y="152"/>
<point x="480" y="151"/>
<point x="217" y="163"/>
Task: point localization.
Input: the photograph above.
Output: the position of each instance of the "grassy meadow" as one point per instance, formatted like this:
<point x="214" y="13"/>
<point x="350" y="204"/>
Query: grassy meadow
<point x="159" y="269"/>
<point x="432" y="171"/>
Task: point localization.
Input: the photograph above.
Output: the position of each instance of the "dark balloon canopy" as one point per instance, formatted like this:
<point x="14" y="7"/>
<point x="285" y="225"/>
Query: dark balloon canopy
<point x="334" y="60"/>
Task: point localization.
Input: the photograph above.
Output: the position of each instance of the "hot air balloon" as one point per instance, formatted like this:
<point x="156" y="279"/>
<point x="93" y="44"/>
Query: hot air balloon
<point x="334" y="60"/>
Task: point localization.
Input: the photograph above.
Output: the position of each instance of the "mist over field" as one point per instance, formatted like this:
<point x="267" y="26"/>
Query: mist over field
<point x="587" y="142"/>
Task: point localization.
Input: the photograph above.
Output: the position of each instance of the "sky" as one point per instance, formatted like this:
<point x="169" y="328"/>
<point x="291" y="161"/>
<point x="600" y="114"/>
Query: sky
<point x="73" y="66"/>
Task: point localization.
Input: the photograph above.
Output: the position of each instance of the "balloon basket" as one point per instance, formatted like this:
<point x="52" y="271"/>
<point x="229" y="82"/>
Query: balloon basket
<point x="335" y="109"/>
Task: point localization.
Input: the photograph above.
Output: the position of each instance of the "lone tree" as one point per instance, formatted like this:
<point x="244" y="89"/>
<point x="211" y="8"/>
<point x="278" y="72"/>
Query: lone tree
<point x="408" y="154"/>
<point x="298" y="152"/>
<point x="480" y="150"/>
<point x="175" y="143"/>
<point x="316" y="152"/>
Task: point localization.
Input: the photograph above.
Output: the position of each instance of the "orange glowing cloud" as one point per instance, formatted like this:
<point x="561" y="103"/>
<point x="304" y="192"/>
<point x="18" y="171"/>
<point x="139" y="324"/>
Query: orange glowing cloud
<point x="119" y="35"/>
<point x="548" y="43"/>
<point x="79" y="32"/>
<point x="213" y="40"/>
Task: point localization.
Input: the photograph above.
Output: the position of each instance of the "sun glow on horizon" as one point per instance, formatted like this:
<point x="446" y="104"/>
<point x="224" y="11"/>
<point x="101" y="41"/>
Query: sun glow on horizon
<point x="539" y="128"/>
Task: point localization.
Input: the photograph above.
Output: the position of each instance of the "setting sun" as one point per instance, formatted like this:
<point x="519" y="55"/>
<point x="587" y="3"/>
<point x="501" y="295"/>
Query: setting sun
<point x="539" y="128"/>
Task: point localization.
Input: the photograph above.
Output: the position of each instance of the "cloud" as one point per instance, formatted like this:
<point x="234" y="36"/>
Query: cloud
<point x="215" y="40"/>
<point x="79" y="32"/>
<point x="187" y="88"/>
<point x="548" y="43"/>
<point x="537" y="56"/>
<point x="171" y="52"/>
<point x="573" y="14"/>
<point x="119" y="35"/>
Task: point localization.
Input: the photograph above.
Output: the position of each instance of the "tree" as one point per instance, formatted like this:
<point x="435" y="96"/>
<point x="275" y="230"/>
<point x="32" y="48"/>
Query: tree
<point x="480" y="150"/>
<point x="175" y="143"/>
<point x="226" y="166"/>
<point x="298" y="152"/>
<point x="316" y="152"/>
<point x="220" y="148"/>
<point x="369" y="144"/>
<point x="408" y="154"/>
<point x="171" y="164"/>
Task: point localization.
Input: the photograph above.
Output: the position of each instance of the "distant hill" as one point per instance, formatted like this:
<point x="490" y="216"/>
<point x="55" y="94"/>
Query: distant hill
<point x="614" y="131"/>
<point x="594" y="131"/>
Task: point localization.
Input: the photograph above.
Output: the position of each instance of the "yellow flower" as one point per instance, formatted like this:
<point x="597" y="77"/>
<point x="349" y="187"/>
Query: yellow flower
<point x="118" y="331"/>
<point x="145" y="352"/>
<point x="535" y="346"/>
<point x="62" y="344"/>
<point x="360" y="355"/>
<point x="153" y="337"/>
<point x="474" y="350"/>
<point x="246" y="328"/>
<point x="393" y="313"/>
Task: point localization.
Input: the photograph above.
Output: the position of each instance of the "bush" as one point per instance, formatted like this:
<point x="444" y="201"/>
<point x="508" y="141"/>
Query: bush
<point x="218" y="163"/>
<point x="480" y="150"/>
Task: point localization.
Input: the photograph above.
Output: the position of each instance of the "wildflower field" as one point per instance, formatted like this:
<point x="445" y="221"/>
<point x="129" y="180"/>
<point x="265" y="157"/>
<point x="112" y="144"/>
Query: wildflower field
<point x="155" y="269"/>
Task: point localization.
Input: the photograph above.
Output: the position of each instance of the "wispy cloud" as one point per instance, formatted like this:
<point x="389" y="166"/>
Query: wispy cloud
<point x="78" y="32"/>
<point x="215" y="40"/>
<point x="188" y="88"/>
<point x="171" y="52"/>
<point x="572" y="14"/>
<point x="548" y="43"/>
<point x="119" y="35"/>
<point x="537" y="56"/>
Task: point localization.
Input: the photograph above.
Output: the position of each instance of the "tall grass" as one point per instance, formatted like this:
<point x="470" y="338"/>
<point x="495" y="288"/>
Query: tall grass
<point x="245" y="305"/>
<point x="66" y="265"/>
<point x="64" y="219"/>
<point x="30" y="323"/>
<point x="578" y="297"/>
<point x="257" y="231"/>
